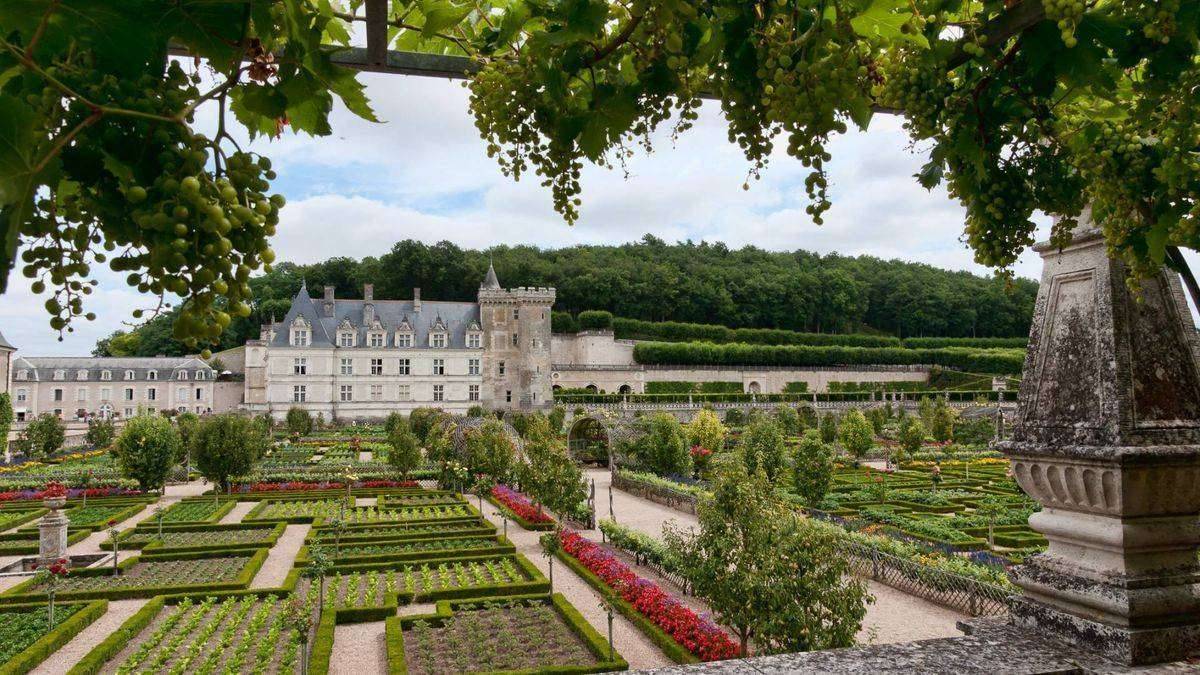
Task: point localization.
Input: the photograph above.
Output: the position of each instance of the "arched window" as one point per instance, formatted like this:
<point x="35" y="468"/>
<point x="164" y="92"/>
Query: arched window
<point x="60" y="374"/>
<point x="22" y="374"/>
<point x="181" y="375"/>
<point x="81" y="374"/>
<point x="106" y="375"/>
<point x="129" y="374"/>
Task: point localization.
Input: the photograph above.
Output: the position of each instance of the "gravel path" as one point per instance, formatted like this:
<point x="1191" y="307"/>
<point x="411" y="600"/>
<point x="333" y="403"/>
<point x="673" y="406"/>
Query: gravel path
<point x="630" y="643"/>
<point x="62" y="660"/>
<point x="359" y="648"/>
<point x="282" y="555"/>
<point x="239" y="511"/>
<point x="893" y="617"/>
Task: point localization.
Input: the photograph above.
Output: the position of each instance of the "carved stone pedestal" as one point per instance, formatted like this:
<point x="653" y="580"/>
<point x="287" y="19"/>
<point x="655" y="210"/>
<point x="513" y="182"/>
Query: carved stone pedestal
<point x="1107" y="438"/>
<point x="52" y="543"/>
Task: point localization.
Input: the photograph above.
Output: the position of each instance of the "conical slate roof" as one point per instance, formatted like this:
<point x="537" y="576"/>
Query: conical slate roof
<point x="490" y="281"/>
<point x="5" y="344"/>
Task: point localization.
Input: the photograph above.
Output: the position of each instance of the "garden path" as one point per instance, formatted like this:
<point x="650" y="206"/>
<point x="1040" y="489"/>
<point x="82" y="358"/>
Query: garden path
<point x="280" y="559"/>
<point x="79" y="646"/>
<point x="359" y="648"/>
<point x="893" y="617"/>
<point x="239" y="511"/>
<point x="630" y="643"/>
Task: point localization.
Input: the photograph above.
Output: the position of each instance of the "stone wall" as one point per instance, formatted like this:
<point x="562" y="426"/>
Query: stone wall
<point x="591" y="348"/>
<point x="610" y="379"/>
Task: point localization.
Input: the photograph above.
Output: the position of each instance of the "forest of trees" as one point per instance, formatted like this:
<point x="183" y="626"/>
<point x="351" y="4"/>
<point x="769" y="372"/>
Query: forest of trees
<point x="655" y="281"/>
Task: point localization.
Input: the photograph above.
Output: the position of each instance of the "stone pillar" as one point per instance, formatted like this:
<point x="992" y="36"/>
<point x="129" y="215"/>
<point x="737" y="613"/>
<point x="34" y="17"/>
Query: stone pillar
<point x="52" y="543"/>
<point x="1107" y="438"/>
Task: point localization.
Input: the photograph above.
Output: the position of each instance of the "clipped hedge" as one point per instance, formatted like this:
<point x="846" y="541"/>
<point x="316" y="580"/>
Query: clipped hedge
<point x="277" y="530"/>
<point x="674" y="331"/>
<point x="1007" y="361"/>
<point x="680" y="387"/>
<point x="978" y="343"/>
<point x="39" y="651"/>
<point x="595" y="320"/>
<point x="499" y="546"/>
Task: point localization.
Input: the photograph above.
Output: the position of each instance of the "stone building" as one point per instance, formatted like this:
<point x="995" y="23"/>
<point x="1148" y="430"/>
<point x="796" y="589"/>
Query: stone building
<point x="76" y="388"/>
<point x="365" y="358"/>
<point x="6" y="359"/>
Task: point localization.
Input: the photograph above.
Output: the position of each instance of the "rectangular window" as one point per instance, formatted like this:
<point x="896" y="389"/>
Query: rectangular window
<point x="405" y="366"/>
<point x="199" y="394"/>
<point x="299" y="393"/>
<point x="377" y="392"/>
<point x="81" y="394"/>
<point x="439" y="392"/>
<point x="516" y="339"/>
<point x="347" y="366"/>
<point x="500" y="368"/>
<point x="106" y="394"/>
<point x="472" y="392"/>
<point x="128" y="393"/>
<point x="151" y="394"/>
<point x="58" y="412"/>
<point x="516" y="314"/>
<point x="128" y="413"/>
<point x="181" y="394"/>
<point x="508" y="396"/>
<point x="376" y="366"/>
<point x="376" y="339"/>
<point x="106" y="375"/>
<point x="473" y="341"/>
<point x="299" y="366"/>
<point x="346" y="393"/>
<point x="404" y="340"/>
<point x="300" y="337"/>
<point x="346" y="340"/>
<point x="405" y="393"/>
<point x="439" y="340"/>
<point x="22" y="395"/>
<point x="473" y="366"/>
<point x="439" y="366"/>
<point x="58" y="394"/>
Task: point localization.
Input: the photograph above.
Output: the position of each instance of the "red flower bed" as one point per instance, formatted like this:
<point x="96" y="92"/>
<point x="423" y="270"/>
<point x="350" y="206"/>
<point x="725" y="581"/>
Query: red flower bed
<point x="297" y="485"/>
<point x="697" y="634"/>
<point x="520" y="505"/>
<point x="23" y="495"/>
<point x="390" y="484"/>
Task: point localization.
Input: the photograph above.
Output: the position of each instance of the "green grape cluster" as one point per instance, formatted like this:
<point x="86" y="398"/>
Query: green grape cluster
<point x="168" y="207"/>
<point x="1158" y="17"/>
<point x="918" y="86"/>
<point x="1066" y="14"/>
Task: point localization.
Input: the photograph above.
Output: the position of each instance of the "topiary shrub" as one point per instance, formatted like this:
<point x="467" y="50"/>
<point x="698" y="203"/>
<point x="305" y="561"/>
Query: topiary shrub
<point x="146" y="450"/>
<point x="226" y="446"/>
<point x="763" y="448"/>
<point x="100" y="432"/>
<point x="299" y="422"/>
<point x="595" y="320"/>
<point x="812" y="468"/>
<point x="856" y="434"/>
<point x="563" y="322"/>
<point x="43" y="436"/>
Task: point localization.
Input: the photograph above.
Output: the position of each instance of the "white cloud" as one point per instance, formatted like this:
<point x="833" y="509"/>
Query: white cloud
<point x="423" y="174"/>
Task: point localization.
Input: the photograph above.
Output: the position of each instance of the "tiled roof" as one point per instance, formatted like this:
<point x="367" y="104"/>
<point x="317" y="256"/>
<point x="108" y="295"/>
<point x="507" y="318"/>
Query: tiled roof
<point x="42" y="367"/>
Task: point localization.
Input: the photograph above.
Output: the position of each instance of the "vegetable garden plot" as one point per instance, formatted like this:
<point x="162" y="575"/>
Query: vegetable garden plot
<point x="379" y="585"/>
<point x="197" y="511"/>
<point x="146" y="576"/>
<point x="418" y="546"/>
<point x="403" y="501"/>
<point x="307" y="511"/>
<point x="212" y="537"/>
<point x="20" y="628"/>
<point x="95" y="516"/>
<point x="396" y="531"/>
<point x="230" y="634"/>
<point x="526" y="635"/>
<point x="10" y="518"/>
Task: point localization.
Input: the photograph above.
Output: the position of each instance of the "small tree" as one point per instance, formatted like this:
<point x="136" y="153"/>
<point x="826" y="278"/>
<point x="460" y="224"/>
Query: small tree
<point x="146" y="450"/>
<point x="186" y="424"/>
<point x="991" y="509"/>
<point x="778" y="580"/>
<point x="705" y="430"/>
<point x="490" y="451"/>
<point x="299" y="422"/>
<point x="551" y="478"/>
<point x="100" y="432"/>
<point x="925" y="411"/>
<point x="877" y="418"/>
<point x="663" y="448"/>
<point x="551" y="544"/>
<point x="763" y="448"/>
<point x="829" y="427"/>
<point x="856" y="435"/>
<point x="227" y="446"/>
<point x="405" y="453"/>
<point x="6" y="415"/>
<point x="912" y="435"/>
<point x="734" y="417"/>
<point x="788" y="420"/>
<point x="43" y="436"/>
<point x="392" y="422"/>
<point x="555" y="418"/>
<point x="942" y="425"/>
<point x="812" y="468"/>
<point x="476" y="411"/>
<point x="808" y="417"/>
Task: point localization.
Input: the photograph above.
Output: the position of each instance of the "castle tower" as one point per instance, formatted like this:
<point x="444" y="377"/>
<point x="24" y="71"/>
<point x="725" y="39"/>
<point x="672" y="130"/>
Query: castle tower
<point x="516" y="350"/>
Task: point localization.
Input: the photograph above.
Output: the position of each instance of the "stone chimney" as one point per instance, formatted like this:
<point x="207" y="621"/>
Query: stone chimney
<point x="416" y="299"/>
<point x="327" y="307"/>
<point x="368" y="292"/>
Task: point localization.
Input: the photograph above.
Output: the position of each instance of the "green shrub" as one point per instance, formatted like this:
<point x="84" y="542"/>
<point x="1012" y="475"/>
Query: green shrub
<point x="763" y="447"/>
<point x="662" y="446"/>
<point x="405" y="452"/>
<point x="100" y="432"/>
<point x="829" y="427"/>
<point x="43" y="436"/>
<point x="595" y="320"/>
<point x="146" y="450"/>
<point x="795" y="388"/>
<point x="226" y="446"/>
<point x="299" y="421"/>
<point x="563" y="322"/>
<point x="979" y="343"/>
<point x="1004" y="361"/>
<point x="673" y="331"/>
<point x="856" y="434"/>
<point x="941" y="425"/>
<point x="812" y="468"/>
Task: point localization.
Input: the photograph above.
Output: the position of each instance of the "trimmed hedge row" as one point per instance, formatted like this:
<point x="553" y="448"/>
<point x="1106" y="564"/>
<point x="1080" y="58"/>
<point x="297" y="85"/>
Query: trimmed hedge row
<point x="672" y="387"/>
<point x="1007" y="361"/>
<point x="394" y="630"/>
<point x="277" y="530"/>
<point x="978" y="343"/>
<point x="499" y="546"/>
<point x="674" y="331"/>
<point x="39" y="651"/>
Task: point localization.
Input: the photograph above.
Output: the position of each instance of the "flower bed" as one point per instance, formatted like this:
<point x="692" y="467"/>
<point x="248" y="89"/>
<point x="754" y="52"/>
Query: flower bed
<point x="301" y="486"/>
<point x="301" y="511"/>
<point x="520" y="508"/>
<point x="696" y="634"/>
<point x="72" y="493"/>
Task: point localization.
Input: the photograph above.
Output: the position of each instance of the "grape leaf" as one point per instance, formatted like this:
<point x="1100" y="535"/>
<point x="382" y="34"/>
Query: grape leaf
<point x="883" y="20"/>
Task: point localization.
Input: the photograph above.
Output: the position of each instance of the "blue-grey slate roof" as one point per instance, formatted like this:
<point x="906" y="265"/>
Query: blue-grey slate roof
<point x="458" y="318"/>
<point x="42" y="367"/>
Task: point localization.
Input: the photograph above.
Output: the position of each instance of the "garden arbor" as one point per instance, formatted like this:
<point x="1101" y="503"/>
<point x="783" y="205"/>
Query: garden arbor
<point x="588" y="439"/>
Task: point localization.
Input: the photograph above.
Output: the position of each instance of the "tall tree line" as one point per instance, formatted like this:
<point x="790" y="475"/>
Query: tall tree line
<point x="656" y="281"/>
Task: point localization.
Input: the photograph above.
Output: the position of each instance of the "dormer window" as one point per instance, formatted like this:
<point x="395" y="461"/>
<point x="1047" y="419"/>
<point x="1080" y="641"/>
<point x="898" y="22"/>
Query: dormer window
<point x="106" y="375"/>
<point x="404" y="339"/>
<point x="181" y="375"/>
<point x="200" y="375"/>
<point x="129" y="374"/>
<point x="151" y="374"/>
<point x="474" y="336"/>
<point x="438" y="336"/>
<point x="22" y="374"/>
<point x="437" y="340"/>
<point x="81" y="375"/>
<point x="60" y="374"/>
<point x="346" y="335"/>
<point x="300" y="332"/>
<point x="375" y="339"/>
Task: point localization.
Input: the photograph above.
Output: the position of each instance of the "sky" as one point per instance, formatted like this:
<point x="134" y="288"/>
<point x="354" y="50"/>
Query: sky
<point x="422" y="173"/>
